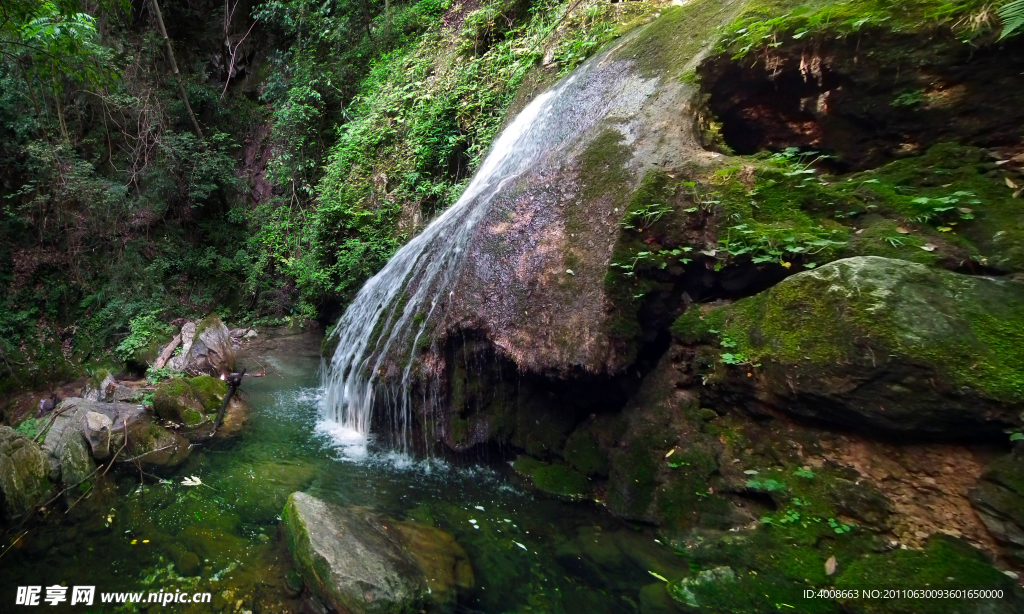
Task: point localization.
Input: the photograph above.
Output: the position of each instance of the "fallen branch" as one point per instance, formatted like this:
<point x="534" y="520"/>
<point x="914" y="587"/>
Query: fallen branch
<point x="167" y="352"/>
<point x="53" y="418"/>
<point x="13" y="543"/>
<point x="135" y="458"/>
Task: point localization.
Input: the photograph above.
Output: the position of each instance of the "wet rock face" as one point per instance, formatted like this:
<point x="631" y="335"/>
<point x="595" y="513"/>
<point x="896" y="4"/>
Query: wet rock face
<point x="533" y="281"/>
<point x="24" y="474"/>
<point x="358" y="562"/>
<point x="871" y="342"/>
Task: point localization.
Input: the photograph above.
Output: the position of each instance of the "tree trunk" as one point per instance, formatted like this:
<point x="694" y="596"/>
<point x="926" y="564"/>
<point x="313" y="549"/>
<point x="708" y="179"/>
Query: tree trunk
<point x="174" y="68"/>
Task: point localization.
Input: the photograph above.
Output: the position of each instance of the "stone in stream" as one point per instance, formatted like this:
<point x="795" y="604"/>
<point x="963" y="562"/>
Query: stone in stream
<point x="872" y="343"/>
<point x="193" y="404"/>
<point x="359" y="562"/>
<point x="24" y="471"/>
<point x="76" y="465"/>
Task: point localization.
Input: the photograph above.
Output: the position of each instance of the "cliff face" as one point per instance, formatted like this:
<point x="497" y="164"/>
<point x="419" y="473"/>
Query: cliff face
<point x="558" y="334"/>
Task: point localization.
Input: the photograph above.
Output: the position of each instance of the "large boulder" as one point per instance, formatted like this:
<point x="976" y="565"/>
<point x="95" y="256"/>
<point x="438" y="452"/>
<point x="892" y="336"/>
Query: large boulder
<point x="70" y="422"/>
<point x="155" y="446"/>
<point x="358" y="562"/>
<point x="24" y="471"/>
<point x="193" y="404"/>
<point x="97" y="429"/>
<point x="871" y="343"/>
<point x="76" y="465"/>
<point x="206" y="348"/>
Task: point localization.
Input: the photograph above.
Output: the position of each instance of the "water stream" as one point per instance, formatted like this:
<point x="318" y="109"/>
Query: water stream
<point x="530" y="553"/>
<point x="386" y="321"/>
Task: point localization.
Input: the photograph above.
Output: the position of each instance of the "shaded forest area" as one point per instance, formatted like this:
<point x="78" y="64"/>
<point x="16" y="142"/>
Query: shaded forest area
<point x="323" y="134"/>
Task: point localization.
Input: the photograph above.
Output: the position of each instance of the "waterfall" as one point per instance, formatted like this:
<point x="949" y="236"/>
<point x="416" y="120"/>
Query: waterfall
<point x="394" y="309"/>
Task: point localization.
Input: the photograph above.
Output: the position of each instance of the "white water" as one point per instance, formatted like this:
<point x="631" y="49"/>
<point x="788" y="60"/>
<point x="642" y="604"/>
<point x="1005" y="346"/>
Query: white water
<point x="426" y="267"/>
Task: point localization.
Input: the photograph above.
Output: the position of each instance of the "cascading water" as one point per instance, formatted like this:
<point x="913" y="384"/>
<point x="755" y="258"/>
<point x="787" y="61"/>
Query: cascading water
<point x="395" y="308"/>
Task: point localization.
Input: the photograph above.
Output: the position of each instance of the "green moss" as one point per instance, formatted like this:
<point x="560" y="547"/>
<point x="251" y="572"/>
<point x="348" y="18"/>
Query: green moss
<point x="684" y="500"/>
<point x="526" y="466"/>
<point x="769" y="22"/>
<point x="191" y="417"/>
<point x="945" y="563"/>
<point x="557" y="479"/>
<point x="583" y="452"/>
<point x="602" y="167"/>
<point x="749" y="593"/>
<point x="561" y="480"/>
<point x="209" y="390"/>
<point x="971" y="335"/>
<point x="637" y="477"/>
<point x="882" y="237"/>
<point x="667" y="46"/>
<point x="459" y="430"/>
<point x="208" y="322"/>
<point x="329" y="345"/>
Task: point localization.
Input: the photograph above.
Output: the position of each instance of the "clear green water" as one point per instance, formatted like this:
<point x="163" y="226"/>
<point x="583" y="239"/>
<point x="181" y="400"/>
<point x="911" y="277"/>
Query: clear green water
<point x="573" y="557"/>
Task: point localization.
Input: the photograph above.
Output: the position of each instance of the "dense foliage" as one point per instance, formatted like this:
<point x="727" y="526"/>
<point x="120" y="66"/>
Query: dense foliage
<point x="331" y="132"/>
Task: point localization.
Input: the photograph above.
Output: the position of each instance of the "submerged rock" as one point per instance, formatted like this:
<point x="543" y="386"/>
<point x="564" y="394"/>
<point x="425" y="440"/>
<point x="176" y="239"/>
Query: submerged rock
<point x="556" y="478"/>
<point x="24" y="472"/>
<point x="872" y="342"/>
<point x="358" y="562"/>
<point x="151" y="444"/>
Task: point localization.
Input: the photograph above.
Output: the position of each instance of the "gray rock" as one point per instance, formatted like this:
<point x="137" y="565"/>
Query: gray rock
<point x="358" y="562"/>
<point x="685" y="591"/>
<point x="251" y="334"/>
<point x="188" y="332"/>
<point x="98" y="393"/>
<point x="76" y="466"/>
<point x="24" y="472"/>
<point x="97" y="429"/>
<point x="874" y="343"/>
<point x="70" y="422"/>
<point x="206" y="348"/>
<point x="999" y="500"/>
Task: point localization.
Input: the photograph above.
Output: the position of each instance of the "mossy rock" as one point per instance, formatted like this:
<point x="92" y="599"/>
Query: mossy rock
<point x="872" y="342"/>
<point x="584" y="453"/>
<point x="176" y="401"/>
<point x="24" y="474"/>
<point x="153" y="445"/>
<point x="556" y="479"/>
<point x="190" y="402"/>
<point x="721" y="590"/>
<point x="210" y="391"/>
<point x="944" y="564"/>
<point x="358" y="562"/>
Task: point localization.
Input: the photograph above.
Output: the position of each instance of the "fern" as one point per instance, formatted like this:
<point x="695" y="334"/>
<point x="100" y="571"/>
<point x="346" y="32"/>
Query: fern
<point x="1012" y="15"/>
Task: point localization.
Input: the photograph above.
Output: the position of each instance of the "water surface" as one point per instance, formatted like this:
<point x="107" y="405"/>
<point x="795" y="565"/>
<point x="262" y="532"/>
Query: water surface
<point x="530" y="553"/>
